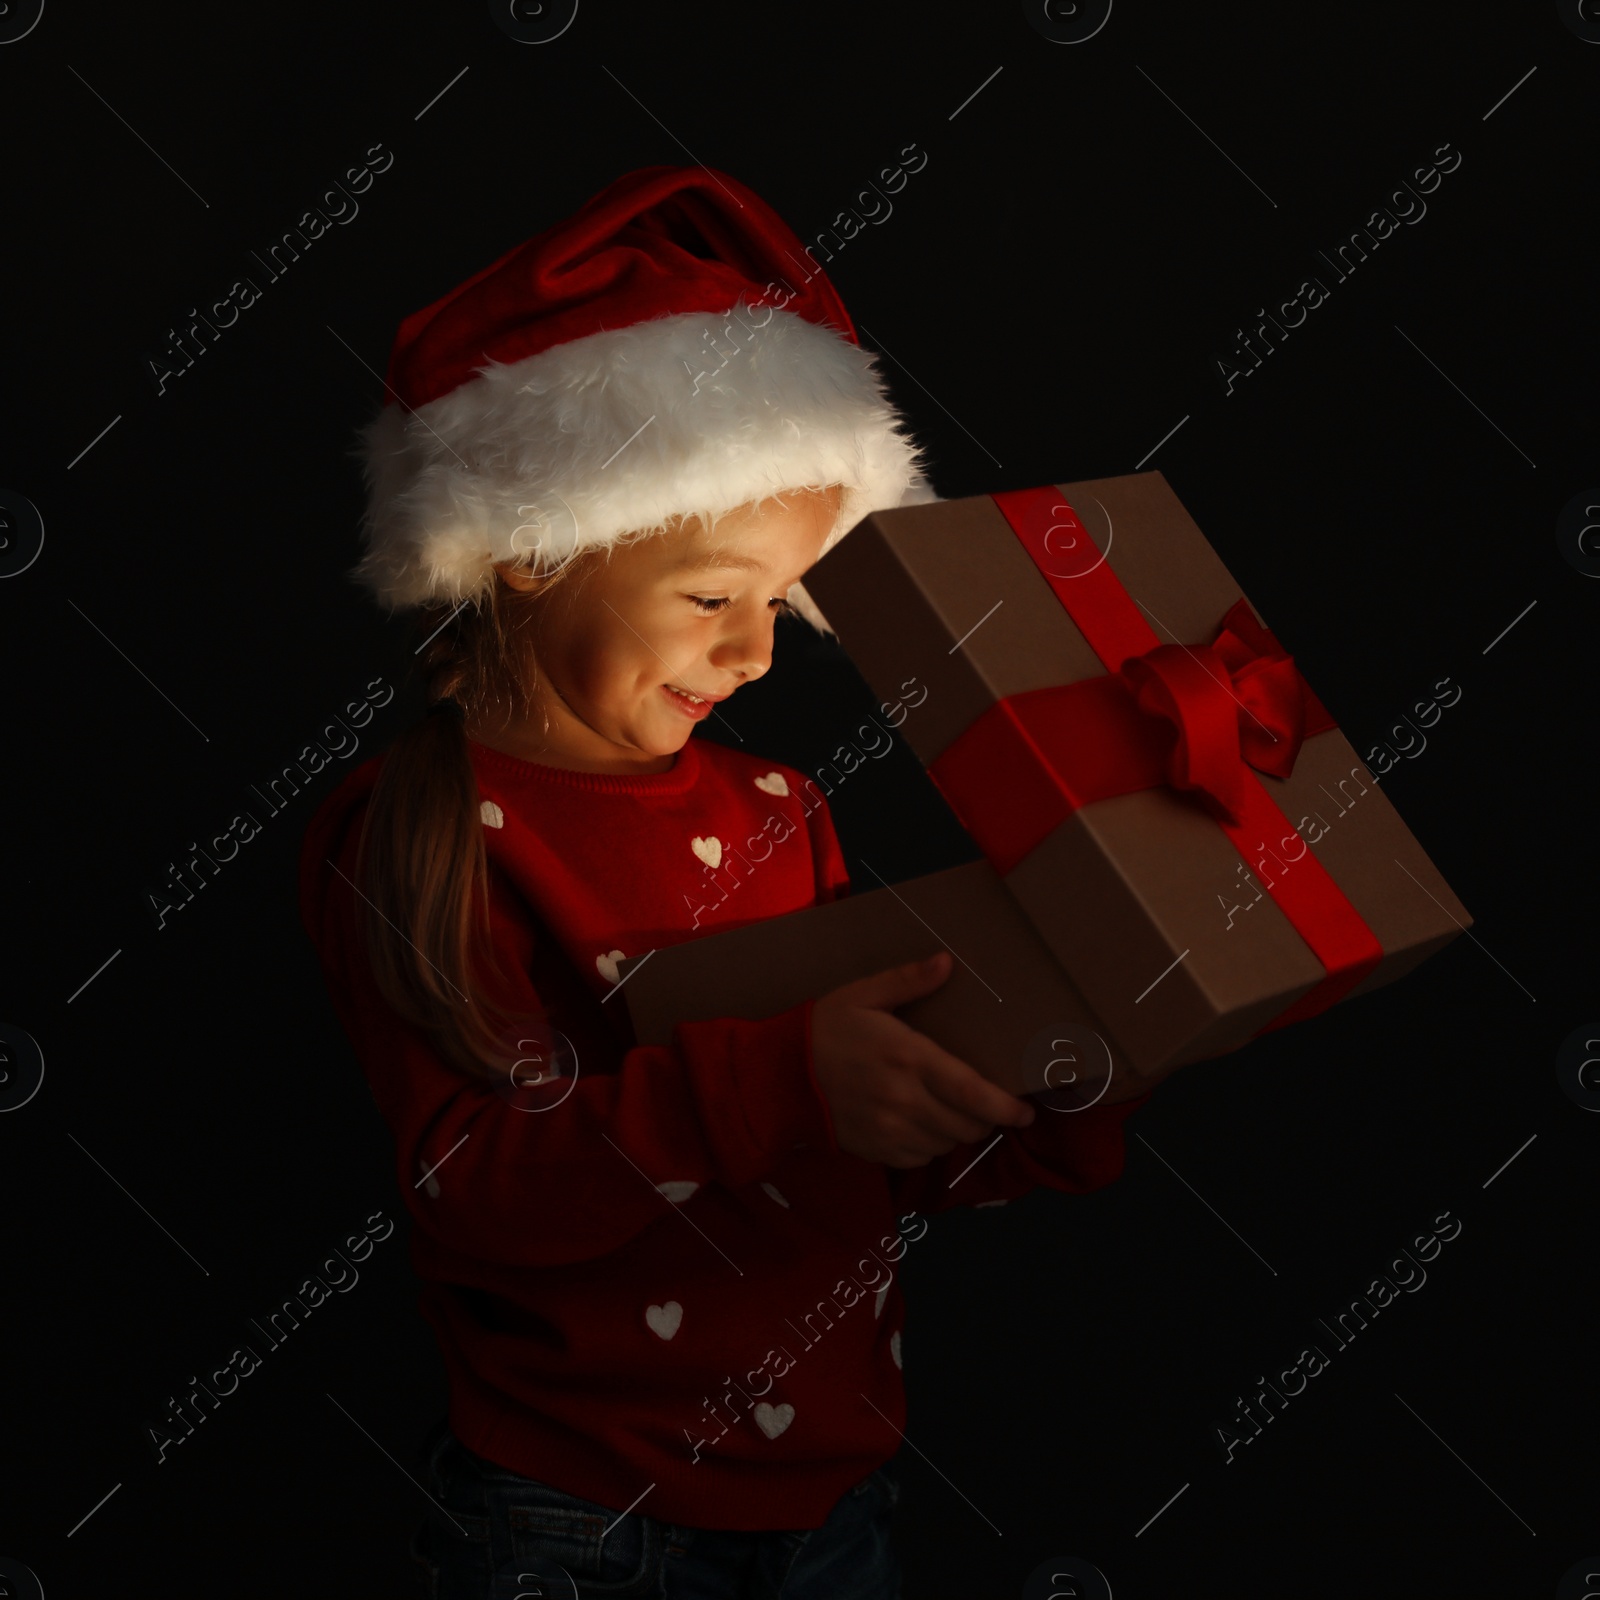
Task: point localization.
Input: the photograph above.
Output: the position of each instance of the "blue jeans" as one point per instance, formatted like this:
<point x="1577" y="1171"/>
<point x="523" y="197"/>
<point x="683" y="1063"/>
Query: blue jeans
<point x="500" y="1536"/>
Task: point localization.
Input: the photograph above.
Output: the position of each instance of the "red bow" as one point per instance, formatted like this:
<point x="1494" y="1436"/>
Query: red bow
<point x="1238" y="699"/>
<point x="1195" y="717"/>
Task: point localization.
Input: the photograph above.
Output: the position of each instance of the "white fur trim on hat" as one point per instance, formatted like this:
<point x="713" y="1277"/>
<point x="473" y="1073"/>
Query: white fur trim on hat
<point x="618" y="432"/>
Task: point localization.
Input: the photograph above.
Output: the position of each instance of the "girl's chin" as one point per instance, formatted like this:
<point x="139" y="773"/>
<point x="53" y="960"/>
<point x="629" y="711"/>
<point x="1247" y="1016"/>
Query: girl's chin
<point x="664" y="738"/>
<point x="675" y="741"/>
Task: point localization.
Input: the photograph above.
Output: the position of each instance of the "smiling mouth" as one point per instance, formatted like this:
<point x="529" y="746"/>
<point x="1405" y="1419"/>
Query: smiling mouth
<point x="695" y="707"/>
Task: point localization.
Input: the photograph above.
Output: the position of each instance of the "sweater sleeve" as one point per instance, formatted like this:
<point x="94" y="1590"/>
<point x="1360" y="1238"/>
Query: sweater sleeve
<point x="579" y="1167"/>
<point x="1074" y="1151"/>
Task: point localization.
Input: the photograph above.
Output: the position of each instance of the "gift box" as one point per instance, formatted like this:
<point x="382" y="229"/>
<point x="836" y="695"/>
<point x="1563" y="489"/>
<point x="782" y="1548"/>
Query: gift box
<point x="1007" y="1009"/>
<point x="1151" y="780"/>
<point x="1139" y="759"/>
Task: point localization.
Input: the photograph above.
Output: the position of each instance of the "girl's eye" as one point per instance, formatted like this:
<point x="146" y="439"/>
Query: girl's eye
<point x="711" y="605"/>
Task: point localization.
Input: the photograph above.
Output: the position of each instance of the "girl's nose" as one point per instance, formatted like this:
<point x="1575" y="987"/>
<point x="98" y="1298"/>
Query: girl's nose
<point x="745" y="649"/>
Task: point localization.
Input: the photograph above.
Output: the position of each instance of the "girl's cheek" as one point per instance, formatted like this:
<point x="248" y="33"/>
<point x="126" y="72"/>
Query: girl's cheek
<point x="669" y="653"/>
<point x="634" y="655"/>
<point x="607" y="667"/>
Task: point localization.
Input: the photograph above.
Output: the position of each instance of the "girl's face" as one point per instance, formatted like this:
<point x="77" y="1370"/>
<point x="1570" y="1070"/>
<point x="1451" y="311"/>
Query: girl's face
<point x="637" y="650"/>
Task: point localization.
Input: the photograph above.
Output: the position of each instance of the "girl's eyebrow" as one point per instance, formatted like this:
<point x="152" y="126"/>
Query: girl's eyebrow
<point x="714" y="561"/>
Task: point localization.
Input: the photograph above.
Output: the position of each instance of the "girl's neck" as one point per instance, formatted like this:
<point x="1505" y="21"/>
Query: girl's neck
<point x="523" y="743"/>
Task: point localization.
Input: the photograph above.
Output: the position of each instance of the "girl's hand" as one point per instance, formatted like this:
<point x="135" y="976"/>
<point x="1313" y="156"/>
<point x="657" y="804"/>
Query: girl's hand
<point x="896" y="1097"/>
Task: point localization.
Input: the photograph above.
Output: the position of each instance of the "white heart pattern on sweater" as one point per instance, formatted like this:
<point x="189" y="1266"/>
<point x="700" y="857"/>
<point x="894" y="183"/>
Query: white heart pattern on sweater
<point x="677" y="1190"/>
<point x="775" y="1195"/>
<point x="894" y="1344"/>
<point x="664" y="1320"/>
<point x="493" y="816"/>
<point x="772" y="1420"/>
<point x="607" y="964"/>
<point x="772" y="783"/>
<point x="709" y="850"/>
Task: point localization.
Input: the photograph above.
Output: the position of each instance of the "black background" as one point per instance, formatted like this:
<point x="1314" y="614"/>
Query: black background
<point x="1059" y="278"/>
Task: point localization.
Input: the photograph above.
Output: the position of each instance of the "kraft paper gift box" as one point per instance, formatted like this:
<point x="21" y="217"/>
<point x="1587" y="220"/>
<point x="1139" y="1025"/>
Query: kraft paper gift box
<point x="1007" y="1009"/>
<point x="1159" y="792"/>
<point x="1139" y="759"/>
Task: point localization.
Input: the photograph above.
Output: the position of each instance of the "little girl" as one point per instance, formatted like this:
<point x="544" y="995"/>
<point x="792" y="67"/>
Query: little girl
<point x="662" y="1279"/>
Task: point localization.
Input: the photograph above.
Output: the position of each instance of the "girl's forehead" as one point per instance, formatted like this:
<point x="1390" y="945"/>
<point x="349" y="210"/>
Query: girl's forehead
<point x="723" y="560"/>
<point x="753" y="536"/>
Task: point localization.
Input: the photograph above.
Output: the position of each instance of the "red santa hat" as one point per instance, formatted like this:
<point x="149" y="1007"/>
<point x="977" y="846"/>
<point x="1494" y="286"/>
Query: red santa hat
<point x="668" y="350"/>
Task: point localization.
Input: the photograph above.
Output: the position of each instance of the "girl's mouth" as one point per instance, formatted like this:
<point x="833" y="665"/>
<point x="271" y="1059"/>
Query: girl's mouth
<point x="690" y="705"/>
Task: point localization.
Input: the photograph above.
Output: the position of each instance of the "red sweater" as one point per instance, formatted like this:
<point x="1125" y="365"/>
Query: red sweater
<point x="671" y="1290"/>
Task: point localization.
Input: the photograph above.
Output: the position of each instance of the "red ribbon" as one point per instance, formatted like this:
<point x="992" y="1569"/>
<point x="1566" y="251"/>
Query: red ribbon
<point x="1196" y="718"/>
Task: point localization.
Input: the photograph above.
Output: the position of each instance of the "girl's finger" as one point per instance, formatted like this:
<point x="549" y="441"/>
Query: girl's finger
<point x="965" y="1090"/>
<point x="895" y="986"/>
<point x="950" y="1128"/>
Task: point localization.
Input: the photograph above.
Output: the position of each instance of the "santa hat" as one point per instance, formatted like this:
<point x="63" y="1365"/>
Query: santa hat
<point x="668" y="350"/>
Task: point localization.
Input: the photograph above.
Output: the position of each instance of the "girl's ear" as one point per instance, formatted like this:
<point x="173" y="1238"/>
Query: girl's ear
<point x="518" y="577"/>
